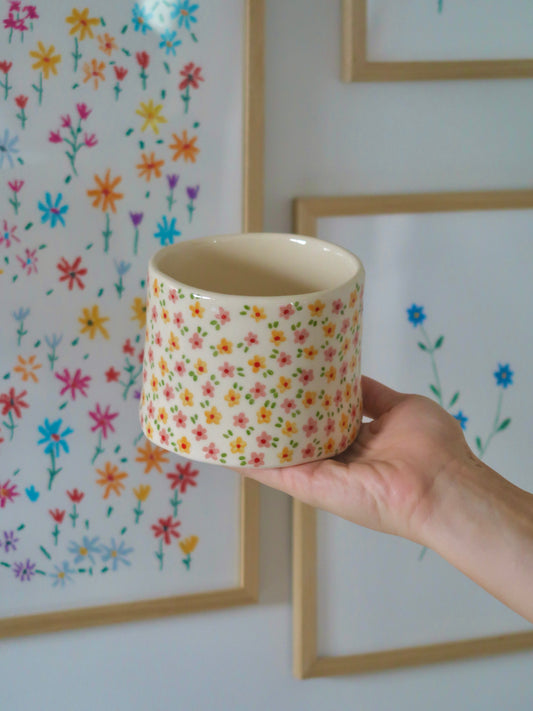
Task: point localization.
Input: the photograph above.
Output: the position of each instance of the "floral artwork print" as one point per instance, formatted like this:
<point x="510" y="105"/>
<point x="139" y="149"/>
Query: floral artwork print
<point x="503" y="376"/>
<point x="102" y="161"/>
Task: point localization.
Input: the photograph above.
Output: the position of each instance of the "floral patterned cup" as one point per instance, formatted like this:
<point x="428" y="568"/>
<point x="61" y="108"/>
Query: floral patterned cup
<point x="253" y="349"/>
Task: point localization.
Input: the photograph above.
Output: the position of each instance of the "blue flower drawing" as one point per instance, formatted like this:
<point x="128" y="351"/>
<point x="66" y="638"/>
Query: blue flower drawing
<point x="169" y="42"/>
<point x="86" y="550"/>
<point x="166" y="231"/>
<point x="52" y="438"/>
<point x="53" y="210"/>
<point x="63" y="574"/>
<point x="116" y="554"/>
<point x="504" y="375"/>
<point x="141" y="18"/>
<point x="184" y="11"/>
<point x="416" y="315"/>
<point x="8" y="147"/>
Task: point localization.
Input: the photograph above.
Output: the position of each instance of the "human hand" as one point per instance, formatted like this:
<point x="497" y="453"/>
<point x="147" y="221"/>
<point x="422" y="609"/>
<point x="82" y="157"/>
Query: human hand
<point x="393" y="477"/>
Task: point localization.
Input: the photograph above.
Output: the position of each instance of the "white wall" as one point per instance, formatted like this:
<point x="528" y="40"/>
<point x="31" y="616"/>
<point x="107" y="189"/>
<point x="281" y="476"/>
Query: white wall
<point x="321" y="137"/>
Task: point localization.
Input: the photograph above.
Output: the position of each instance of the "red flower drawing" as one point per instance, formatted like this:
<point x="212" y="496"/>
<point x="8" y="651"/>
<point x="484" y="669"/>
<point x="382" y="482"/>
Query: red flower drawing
<point x="167" y="528"/>
<point x="72" y="272"/>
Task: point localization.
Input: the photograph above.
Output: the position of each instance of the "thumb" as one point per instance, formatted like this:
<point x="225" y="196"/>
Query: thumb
<point x="378" y="398"/>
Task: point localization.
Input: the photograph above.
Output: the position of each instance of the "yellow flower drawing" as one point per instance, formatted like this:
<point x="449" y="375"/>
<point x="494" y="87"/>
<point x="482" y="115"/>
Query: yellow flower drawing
<point x="92" y="322"/>
<point x="47" y="61"/>
<point x="82" y="23"/>
<point x="151" y="115"/>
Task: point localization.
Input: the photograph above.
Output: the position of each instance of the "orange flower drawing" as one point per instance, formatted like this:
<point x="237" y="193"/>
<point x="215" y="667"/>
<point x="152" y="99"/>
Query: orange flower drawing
<point x="27" y="368"/>
<point x="152" y="457"/>
<point x="94" y="70"/>
<point x="184" y="147"/>
<point x="104" y="194"/>
<point x="111" y="479"/>
<point x="149" y="167"/>
<point x="106" y="43"/>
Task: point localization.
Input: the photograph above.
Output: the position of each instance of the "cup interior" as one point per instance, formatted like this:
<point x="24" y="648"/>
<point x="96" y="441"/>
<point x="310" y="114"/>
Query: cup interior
<point x="257" y="264"/>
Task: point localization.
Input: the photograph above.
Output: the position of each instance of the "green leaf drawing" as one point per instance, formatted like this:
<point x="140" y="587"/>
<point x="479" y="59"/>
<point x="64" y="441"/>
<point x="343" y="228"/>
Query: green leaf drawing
<point x="454" y="400"/>
<point x="435" y="391"/>
<point x="422" y="346"/>
<point x="439" y="342"/>
<point x="479" y="444"/>
<point x="504" y="425"/>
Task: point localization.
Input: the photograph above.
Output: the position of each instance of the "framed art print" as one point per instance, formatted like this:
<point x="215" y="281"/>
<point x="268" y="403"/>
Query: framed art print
<point x="123" y="127"/>
<point x="447" y="315"/>
<point x="406" y="40"/>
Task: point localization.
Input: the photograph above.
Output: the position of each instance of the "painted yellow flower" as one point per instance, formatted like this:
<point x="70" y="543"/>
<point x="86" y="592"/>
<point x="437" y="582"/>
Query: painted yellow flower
<point x="163" y="366"/>
<point x="310" y="352"/>
<point x="277" y="337"/>
<point x="92" y="322"/>
<point x="81" y="23"/>
<point x="142" y="492"/>
<point x="187" y="398"/>
<point x="149" y="165"/>
<point x="344" y="422"/>
<point x="197" y="310"/>
<point x="27" y="368"/>
<point x="151" y="115"/>
<point x="200" y="366"/>
<point x="94" y="70"/>
<point x="284" y="384"/>
<point x="162" y="415"/>
<point x="316" y="308"/>
<point x="329" y="447"/>
<point x="353" y="297"/>
<point x="225" y="346"/>
<point x="154" y="382"/>
<point x="184" y="147"/>
<point x="149" y="430"/>
<point x="347" y="392"/>
<point x="152" y="457"/>
<point x="330" y="374"/>
<point x="329" y="330"/>
<point x="111" y="479"/>
<point x="173" y="342"/>
<point x="47" y="61"/>
<point x="156" y="288"/>
<point x="212" y="416"/>
<point x="106" y="43"/>
<point x="263" y="415"/>
<point x="139" y="311"/>
<point x="289" y="429"/>
<point x="285" y="456"/>
<point x="327" y="402"/>
<point x="189" y="544"/>
<point x="232" y="398"/>
<point x="165" y="315"/>
<point x="184" y="445"/>
<point x="309" y="398"/>
<point x="237" y="446"/>
<point x="257" y="363"/>
<point x="257" y="313"/>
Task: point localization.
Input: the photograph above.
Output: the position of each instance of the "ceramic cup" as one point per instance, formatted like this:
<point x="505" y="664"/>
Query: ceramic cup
<point x="253" y="349"/>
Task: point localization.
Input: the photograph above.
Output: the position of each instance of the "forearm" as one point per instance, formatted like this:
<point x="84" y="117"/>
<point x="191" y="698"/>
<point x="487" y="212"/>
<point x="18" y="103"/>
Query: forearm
<point x="483" y="525"/>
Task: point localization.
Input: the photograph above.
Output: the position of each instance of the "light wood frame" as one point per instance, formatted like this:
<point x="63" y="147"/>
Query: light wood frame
<point x="247" y="590"/>
<point x="356" y="67"/>
<point x="306" y="662"/>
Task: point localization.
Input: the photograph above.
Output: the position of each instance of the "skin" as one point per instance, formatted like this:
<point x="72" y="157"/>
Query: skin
<point x="411" y="473"/>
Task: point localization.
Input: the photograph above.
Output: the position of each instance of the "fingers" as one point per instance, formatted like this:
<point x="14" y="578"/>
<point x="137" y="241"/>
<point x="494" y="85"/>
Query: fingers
<point x="378" y="398"/>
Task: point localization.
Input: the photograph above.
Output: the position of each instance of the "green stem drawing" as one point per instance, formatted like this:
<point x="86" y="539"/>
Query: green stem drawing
<point x="136" y="241"/>
<point x="159" y="554"/>
<point x="498" y="426"/>
<point x="15" y="202"/>
<point x="186" y="98"/>
<point x="106" y="233"/>
<point x="138" y="511"/>
<point x="21" y="332"/>
<point x="130" y="370"/>
<point x="55" y="534"/>
<point x="11" y="426"/>
<point x="53" y="471"/>
<point x="187" y="561"/>
<point x="74" y="515"/>
<point x="76" y="54"/>
<point x="175" y="501"/>
<point x="6" y="85"/>
<point x="99" y="449"/>
<point x="39" y="88"/>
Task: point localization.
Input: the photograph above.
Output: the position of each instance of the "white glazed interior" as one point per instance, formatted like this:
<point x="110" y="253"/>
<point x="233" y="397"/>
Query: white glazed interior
<point x="258" y="264"/>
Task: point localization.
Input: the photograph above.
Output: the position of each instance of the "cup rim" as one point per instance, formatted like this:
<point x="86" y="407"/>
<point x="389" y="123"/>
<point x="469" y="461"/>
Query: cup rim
<point x="197" y="292"/>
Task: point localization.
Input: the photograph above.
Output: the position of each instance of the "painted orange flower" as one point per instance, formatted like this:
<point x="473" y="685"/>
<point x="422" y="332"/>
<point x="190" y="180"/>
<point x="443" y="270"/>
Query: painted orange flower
<point x="232" y="398"/>
<point x="149" y="166"/>
<point x="264" y="415"/>
<point x="154" y="382"/>
<point x="162" y="415"/>
<point x="104" y="194"/>
<point x="27" y="368"/>
<point x="47" y="61"/>
<point x="111" y="479"/>
<point x="200" y="366"/>
<point x="316" y="308"/>
<point x="257" y="363"/>
<point x="257" y="313"/>
<point x="163" y="366"/>
<point x="329" y="330"/>
<point x="309" y="398"/>
<point x="197" y="310"/>
<point x="165" y="315"/>
<point x="81" y="22"/>
<point x="289" y="429"/>
<point x="277" y="337"/>
<point x="327" y="402"/>
<point x="353" y="298"/>
<point x="95" y="71"/>
<point x="329" y="447"/>
<point x="347" y="392"/>
<point x="187" y="398"/>
<point x="284" y="384"/>
<point x="152" y="457"/>
<point x="212" y="416"/>
<point x="139" y="311"/>
<point x="225" y="346"/>
<point x="285" y="456"/>
<point x="344" y="422"/>
<point x="310" y="352"/>
<point x="173" y="342"/>
<point x="237" y="446"/>
<point x="107" y="43"/>
<point x="156" y="289"/>
<point x="184" y="445"/>
<point x="331" y="374"/>
<point x="184" y="147"/>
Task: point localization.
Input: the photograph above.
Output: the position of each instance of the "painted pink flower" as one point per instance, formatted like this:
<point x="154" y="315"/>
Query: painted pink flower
<point x="73" y="382"/>
<point x="240" y="420"/>
<point x="284" y="359"/>
<point x="208" y="390"/>
<point x="258" y="390"/>
<point x="288" y="405"/>
<point x="227" y="370"/>
<point x="286" y="311"/>
<point x="256" y="459"/>
<point x="264" y="439"/>
<point x="211" y="451"/>
<point x="177" y="319"/>
<point x="337" y="306"/>
<point x="251" y="339"/>
<point x="310" y="427"/>
<point x="222" y="316"/>
<point x="199" y="432"/>
<point x="158" y="340"/>
<point x="338" y="398"/>
<point x="356" y="340"/>
<point x="180" y="419"/>
<point x="154" y="313"/>
<point x="151" y="354"/>
<point x="306" y="376"/>
<point x="168" y="392"/>
<point x="345" y="325"/>
<point x="103" y="420"/>
<point x="343" y="370"/>
<point x="196" y="341"/>
<point x="173" y="295"/>
<point x="301" y="335"/>
<point x="164" y="437"/>
<point x="343" y="443"/>
<point x="180" y="368"/>
<point x="151" y="410"/>
<point x="330" y="426"/>
<point x="330" y="353"/>
<point x="308" y="451"/>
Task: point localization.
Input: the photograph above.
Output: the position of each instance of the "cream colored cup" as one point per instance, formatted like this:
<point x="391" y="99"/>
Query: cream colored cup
<point x="253" y="349"/>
